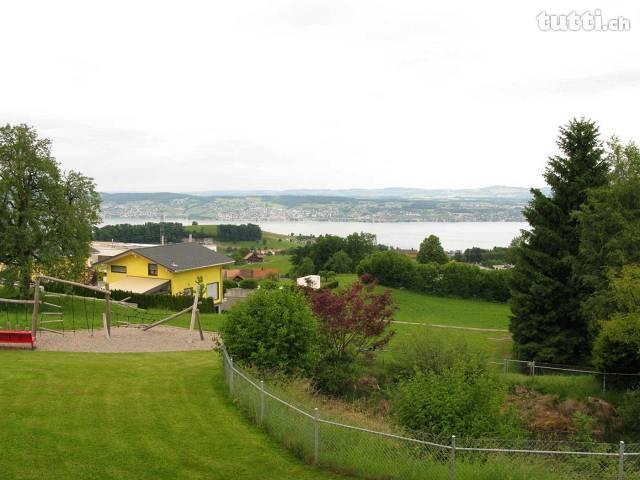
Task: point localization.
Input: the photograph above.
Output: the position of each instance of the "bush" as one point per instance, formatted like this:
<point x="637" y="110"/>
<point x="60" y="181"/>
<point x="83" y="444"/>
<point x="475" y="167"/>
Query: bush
<point x="617" y="347"/>
<point x="630" y="411"/>
<point x="452" y="279"/>
<point x="391" y="269"/>
<point x="227" y="284"/>
<point x="168" y="302"/>
<point x="460" y="400"/>
<point x="269" y="284"/>
<point x="249" y="284"/>
<point x="273" y="329"/>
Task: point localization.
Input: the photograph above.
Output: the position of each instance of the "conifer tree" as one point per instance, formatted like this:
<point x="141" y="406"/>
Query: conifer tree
<point x="546" y="294"/>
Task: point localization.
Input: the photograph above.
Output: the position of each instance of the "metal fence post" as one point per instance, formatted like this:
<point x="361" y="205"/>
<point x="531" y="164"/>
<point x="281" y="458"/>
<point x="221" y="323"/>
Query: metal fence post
<point x="504" y="368"/>
<point x="261" y="401"/>
<point x="452" y="465"/>
<point x="316" y="436"/>
<point x="621" y="462"/>
<point x="532" y="368"/>
<point x="604" y="382"/>
<point x="231" y="376"/>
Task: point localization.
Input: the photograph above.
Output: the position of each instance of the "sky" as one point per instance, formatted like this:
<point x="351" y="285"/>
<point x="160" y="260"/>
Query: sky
<point x="227" y="95"/>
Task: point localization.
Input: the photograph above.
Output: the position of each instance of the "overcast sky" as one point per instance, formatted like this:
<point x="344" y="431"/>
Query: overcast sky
<point x="195" y="96"/>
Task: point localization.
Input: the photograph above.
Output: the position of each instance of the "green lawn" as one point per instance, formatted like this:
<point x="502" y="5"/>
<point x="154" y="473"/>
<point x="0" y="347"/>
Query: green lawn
<point x="281" y="262"/>
<point x="453" y="312"/>
<point x="269" y="239"/>
<point x="129" y="416"/>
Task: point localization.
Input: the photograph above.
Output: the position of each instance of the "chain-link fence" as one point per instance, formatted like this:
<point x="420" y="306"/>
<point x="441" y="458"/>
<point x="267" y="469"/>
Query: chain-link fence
<point x="374" y="454"/>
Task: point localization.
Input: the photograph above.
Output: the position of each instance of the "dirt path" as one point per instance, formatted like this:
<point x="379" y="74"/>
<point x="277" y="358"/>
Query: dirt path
<point x="127" y="339"/>
<point x="470" y="329"/>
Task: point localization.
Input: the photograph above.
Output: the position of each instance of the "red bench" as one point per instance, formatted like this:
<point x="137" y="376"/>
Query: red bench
<point x="17" y="336"/>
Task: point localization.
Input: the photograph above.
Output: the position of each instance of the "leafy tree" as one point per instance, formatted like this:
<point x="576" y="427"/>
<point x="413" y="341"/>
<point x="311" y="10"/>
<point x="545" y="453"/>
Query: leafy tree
<point x="150" y="232"/>
<point x="339" y="262"/>
<point x="546" y="294"/>
<point x="359" y="245"/>
<point x="609" y="230"/>
<point x="431" y="251"/>
<point x="273" y="330"/>
<point x="390" y="268"/>
<point x="305" y="268"/>
<point x="353" y="320"/>
<point x="46" y="216"/>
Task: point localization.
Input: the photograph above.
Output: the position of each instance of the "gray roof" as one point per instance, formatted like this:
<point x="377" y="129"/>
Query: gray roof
<point x="183" y="256"/>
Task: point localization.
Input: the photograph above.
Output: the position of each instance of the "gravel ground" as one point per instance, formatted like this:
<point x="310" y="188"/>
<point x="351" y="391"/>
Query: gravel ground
<point x="127" y="339"/>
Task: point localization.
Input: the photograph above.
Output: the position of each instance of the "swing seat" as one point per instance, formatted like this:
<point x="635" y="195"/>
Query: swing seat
<point x="17" y="336"/>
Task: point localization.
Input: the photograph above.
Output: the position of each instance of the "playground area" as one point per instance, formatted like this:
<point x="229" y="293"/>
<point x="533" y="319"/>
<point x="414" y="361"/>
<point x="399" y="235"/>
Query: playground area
<point x="127" y="339"/>
<point x="67" y="322"/>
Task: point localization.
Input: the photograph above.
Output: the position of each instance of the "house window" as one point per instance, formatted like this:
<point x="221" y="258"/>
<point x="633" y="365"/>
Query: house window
<point x="188" y="292"/>
<point x="152" y="269"/>
<point x="213" y="290"/>
<point x="118" y="269"/>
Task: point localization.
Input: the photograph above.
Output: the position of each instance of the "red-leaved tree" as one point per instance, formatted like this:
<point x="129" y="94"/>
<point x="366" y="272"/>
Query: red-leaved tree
<point x="353" y="320"/>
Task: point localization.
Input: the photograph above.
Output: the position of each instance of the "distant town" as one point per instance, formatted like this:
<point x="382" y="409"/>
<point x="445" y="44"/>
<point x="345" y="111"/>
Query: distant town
<point x="463" y="206"/>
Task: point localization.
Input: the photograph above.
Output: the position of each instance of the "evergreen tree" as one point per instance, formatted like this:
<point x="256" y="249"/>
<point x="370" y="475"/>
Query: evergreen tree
<point x="431" y="251"/>
<point x="546" y="293"/>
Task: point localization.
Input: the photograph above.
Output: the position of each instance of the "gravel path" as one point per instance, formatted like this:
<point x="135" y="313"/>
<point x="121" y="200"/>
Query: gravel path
<point x="127" y="339"/>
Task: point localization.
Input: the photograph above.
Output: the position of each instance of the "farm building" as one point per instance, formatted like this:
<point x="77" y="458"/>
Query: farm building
<point x="175" y="269"/>
<point x="252" y="257"/>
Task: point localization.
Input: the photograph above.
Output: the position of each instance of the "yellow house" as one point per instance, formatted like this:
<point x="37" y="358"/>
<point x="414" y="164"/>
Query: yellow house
<point x="174" y="269"/>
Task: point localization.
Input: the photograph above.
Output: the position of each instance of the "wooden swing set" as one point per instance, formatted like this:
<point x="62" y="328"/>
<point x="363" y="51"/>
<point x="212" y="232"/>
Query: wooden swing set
<point x="28" y="336"/>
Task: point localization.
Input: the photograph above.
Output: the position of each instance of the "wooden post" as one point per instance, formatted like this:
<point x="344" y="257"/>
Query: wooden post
<point x="194" y="311"/>
<point x="36" y="305"/>
<point x="107" y="310"/>
<point x="199" y="324"/>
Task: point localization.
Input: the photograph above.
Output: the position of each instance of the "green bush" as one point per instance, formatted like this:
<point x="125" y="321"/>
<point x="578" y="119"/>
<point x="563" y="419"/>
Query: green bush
<point x="269" y="284"/>
<point x="168" y="302"/>
<point x="391" y="269"/>
<point x="446" y="388"/>
<point x="617" y="348"/>
<point x="459" y="400"/>
<point x="249" y="284"/>
<point x="273" y="330"/>
<point x="228" y="284"/>
<point x="630" y="411"/>
<point x="452" y="279"/>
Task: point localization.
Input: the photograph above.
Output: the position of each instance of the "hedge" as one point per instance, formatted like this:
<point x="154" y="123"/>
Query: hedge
<point x="163" y="301"/>
<point x="451" y="279"/>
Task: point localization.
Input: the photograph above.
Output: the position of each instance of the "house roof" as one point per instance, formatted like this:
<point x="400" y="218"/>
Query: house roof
<point x="251" y="254"/>
<point x="179" y="256"/>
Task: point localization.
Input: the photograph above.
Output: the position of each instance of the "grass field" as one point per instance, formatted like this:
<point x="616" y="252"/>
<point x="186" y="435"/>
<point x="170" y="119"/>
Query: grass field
<point x="129" y="416"/>
<point x="269" y="239"/>
<point x="281" y="262"/>
<point x="427" y="310"/>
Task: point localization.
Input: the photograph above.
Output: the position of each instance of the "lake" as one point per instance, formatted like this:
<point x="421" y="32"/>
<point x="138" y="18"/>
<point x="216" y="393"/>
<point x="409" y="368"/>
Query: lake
<point x="453" y="235"/>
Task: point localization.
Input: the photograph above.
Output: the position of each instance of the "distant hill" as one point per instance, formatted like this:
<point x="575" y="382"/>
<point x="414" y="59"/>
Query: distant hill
<point x="496" y="191"/>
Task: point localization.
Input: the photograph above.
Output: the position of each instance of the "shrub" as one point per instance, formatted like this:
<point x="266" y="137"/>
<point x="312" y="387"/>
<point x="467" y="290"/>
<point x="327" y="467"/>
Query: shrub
<point x="389" y="268"/>
<point x="227" y="284"/>
<point x="269" y="284"/>
<point x="273" y="329"/>
<point x="459" y="400"/>
<point x="630" y="411"/>
<point x="248" y="283"/>
<point x="617" y="347"/>
<point x="452" y="279"/>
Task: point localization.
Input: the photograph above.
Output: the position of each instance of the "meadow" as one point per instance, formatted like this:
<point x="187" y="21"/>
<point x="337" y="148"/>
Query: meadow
<point x="142" y="416"/>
